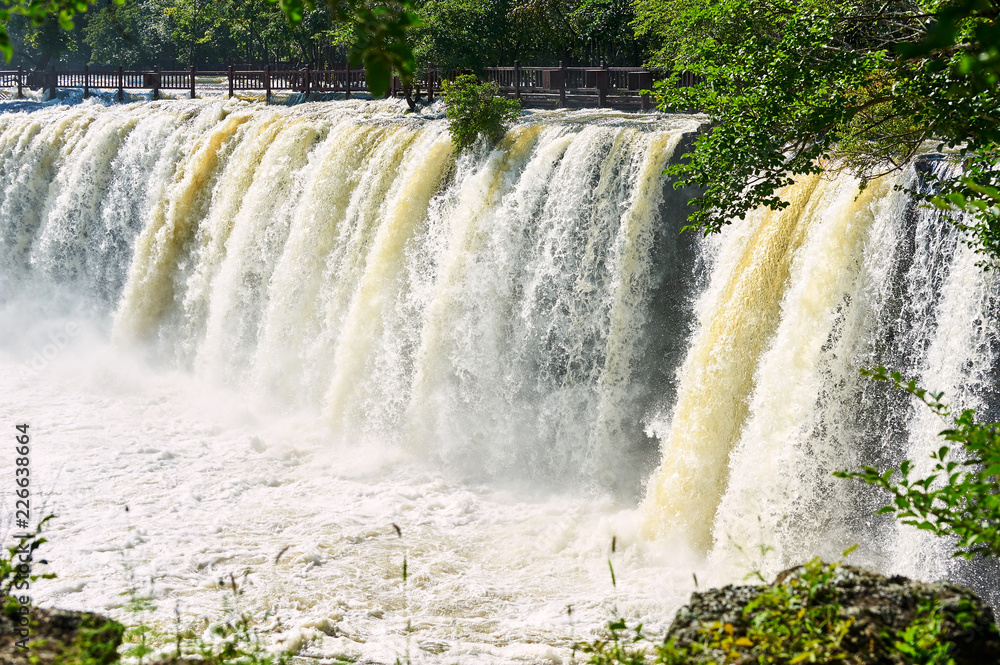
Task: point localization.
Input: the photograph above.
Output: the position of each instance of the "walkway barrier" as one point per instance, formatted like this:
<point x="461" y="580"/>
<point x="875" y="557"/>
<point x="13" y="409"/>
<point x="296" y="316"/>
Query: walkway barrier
<point x="537" y="87"/>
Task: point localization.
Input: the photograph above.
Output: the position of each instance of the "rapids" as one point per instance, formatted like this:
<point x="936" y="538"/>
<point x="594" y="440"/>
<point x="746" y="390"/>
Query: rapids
<point x="274" y="333"/>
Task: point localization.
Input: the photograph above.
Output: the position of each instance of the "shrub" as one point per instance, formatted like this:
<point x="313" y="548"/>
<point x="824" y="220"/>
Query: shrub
<point x="475" y="109"/>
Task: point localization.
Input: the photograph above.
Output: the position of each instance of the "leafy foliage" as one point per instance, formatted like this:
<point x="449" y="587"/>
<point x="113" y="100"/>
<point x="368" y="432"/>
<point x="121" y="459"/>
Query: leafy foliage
<point x="792" y="87"/>
<point x="232" y="641"/>
<point x="380" y="35"/>
<point x="619" y="648"/>
<point x="96" y="643"/>
<point x="475" y="109"/>
<point x="142" y="31"/>
<point x="977" y="195"/>
<point x="974" y="20"/>
<point x="960" y="499"/>
<point x="799" y="620"/>
<point x="37" y="11"/>
<point x="237" y="643"/>
<point x="921" y="642"/>
<point x="385" y="36"/>
<point x="474" y="34"/>
<point x="126" y="33"/>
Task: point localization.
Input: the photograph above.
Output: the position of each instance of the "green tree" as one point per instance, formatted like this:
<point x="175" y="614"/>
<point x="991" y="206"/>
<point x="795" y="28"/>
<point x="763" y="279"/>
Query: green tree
<point x="132" y="34"/>
<point x="473" y="34"/>
<point x="194" y="23"/>
<point x="378" y="31"/>
<point x="606" y="32"/>
<point x="789" y="86"/>
<point x="466" y="34"/>
<point x="42" y="44"/>
<point x="37" y="12"/>
<point x="380" y="40"/>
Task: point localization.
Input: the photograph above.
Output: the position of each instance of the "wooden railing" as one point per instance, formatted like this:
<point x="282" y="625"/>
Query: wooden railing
<point x="614" y="87"/>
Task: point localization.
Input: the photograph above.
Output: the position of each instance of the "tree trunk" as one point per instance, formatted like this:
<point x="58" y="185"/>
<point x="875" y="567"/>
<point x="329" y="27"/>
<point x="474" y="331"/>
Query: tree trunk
<point x="408" y="95"/>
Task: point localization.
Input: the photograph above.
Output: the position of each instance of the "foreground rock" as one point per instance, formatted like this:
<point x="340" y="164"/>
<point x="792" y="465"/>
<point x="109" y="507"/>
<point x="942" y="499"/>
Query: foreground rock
<point x="878" y="614"/>
<point x="58" y="637"/>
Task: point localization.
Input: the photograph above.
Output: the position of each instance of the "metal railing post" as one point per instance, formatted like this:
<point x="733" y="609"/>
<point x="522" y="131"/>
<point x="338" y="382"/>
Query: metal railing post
<point x="86" y="81"/>
<point x="517" y="79"/>
<point x="192" y="81"/>
<point x="20" y="83"/>
<point x="562" y="85"/>
<point x="121" y="86"/>
<point x="230" y="72"/>
<point x="267" y="84"/>
<point x="156" y="82"/>
<point x="602" y="86"/>
<point x="308" y="82"/>
<point x="347" y="82"/>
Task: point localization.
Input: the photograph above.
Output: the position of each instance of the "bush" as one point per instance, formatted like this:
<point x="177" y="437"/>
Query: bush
<point x="475" y="109"/>
<point x="961" y="497"/>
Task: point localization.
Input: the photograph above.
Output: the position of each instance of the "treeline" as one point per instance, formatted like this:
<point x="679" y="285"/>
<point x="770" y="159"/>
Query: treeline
<point x="212" y="33"/>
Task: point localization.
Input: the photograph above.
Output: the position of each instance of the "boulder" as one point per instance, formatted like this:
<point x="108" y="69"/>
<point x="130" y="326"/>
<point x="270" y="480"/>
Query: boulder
<point x="880" y="608"/>
<point x="57" y="637"/>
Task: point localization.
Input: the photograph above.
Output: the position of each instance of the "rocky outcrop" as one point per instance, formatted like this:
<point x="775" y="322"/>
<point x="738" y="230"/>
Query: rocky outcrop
<point x="39" y="636"/>
<point x="876" y="610"/>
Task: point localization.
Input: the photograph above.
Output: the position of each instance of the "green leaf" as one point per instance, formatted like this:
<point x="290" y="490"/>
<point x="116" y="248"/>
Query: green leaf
<point x="379" y="76"/>
<point x="5" y="46"/>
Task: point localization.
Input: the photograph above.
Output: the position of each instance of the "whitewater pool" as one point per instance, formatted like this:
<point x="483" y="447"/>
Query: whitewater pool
<point x="163" y="485"/>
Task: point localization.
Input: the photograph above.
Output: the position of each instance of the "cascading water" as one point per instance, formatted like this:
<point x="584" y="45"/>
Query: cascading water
<point x="488" y="308"/>
<point x="770" y="400"/>
<point x="518" y="316"/>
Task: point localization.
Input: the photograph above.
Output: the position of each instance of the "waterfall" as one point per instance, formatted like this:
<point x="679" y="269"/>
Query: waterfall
<point x="526" y="311"/>
<point x="489" y="309"/>
<point x="770" y="401"/>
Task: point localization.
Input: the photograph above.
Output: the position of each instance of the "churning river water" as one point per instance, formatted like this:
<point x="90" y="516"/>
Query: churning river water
<point x="288" y="347"/>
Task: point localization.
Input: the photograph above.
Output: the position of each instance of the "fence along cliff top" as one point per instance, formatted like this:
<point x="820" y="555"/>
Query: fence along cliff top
<point x="538" y="87"/>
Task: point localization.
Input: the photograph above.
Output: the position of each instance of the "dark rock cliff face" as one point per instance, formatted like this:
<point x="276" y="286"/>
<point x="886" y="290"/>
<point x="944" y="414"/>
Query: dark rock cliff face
<point x="881" y="609"/>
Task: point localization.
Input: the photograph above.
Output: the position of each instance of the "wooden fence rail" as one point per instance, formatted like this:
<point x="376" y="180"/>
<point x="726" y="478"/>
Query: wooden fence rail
<point x="560" y="86"/>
